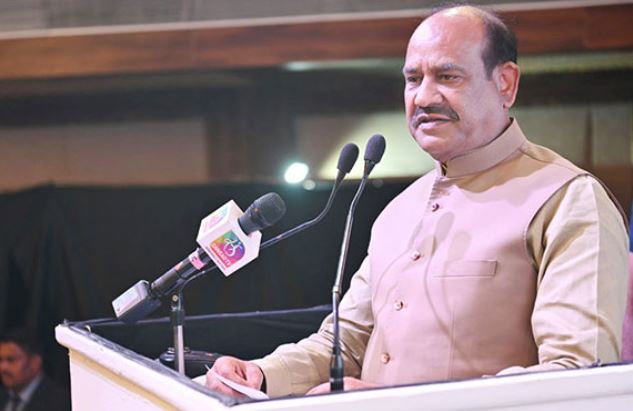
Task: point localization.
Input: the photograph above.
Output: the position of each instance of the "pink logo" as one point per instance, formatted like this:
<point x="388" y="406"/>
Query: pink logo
<point x="215" y="218"/>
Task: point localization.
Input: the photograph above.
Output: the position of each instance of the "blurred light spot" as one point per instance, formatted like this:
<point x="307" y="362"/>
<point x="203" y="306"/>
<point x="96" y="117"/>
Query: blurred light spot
<point x="309" y="185"/>
<point x="296" y="173"/>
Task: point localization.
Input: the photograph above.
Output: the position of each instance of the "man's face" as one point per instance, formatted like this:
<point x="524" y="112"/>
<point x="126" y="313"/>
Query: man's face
<point x="451" y="105"/>
<point x="17" y="368"/>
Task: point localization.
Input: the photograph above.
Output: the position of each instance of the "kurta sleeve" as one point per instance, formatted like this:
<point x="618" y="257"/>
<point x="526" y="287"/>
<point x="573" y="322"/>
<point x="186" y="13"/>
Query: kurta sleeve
<point x="578" y="242"/>
<point x="295" y="368"/>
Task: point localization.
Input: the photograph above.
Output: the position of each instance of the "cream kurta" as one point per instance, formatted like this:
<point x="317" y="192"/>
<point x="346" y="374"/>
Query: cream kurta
<point x="514" y="259"/>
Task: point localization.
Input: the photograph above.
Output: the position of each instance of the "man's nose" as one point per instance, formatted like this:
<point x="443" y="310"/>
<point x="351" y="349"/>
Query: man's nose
<point x="427" y="94"/>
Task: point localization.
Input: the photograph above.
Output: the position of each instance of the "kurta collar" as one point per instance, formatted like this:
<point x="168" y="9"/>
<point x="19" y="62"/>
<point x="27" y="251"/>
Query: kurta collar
<point x="487" y="156"/>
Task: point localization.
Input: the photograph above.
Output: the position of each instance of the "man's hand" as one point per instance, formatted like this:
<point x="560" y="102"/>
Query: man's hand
<point x="349" y="384"/>
<point x="242" y="372"/>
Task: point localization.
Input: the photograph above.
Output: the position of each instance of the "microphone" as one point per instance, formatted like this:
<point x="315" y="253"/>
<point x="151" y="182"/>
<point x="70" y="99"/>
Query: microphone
<point x="373" y="154"/>
<point x="228" y="238"/>
<point x="346" y="160"/>
<point x="231" y="240"/>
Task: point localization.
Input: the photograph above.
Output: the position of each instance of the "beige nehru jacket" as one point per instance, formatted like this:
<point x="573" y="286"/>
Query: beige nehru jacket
<point x="514" y="260"/>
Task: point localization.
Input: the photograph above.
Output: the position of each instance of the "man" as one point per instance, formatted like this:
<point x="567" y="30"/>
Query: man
<point x="505" y="258"/>
<point x="26" y="386"/>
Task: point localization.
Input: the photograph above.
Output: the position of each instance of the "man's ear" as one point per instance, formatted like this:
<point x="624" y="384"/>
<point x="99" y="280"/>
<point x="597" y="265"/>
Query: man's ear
<point x="506" y="77"/>
<point x="35" y="361"/>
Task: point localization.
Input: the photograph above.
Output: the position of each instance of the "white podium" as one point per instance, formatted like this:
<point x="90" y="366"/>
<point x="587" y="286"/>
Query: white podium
<point x="106" y="376"/>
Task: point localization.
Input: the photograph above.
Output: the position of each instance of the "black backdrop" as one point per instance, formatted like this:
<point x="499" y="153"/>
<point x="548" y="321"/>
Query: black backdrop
<point x="66" y="252"/>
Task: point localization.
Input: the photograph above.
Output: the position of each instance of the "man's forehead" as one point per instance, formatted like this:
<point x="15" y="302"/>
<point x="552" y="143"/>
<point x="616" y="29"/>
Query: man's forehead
<point x="457" y="25"/>
<point x="10" y="348"/>
<point x="446" y="39"/>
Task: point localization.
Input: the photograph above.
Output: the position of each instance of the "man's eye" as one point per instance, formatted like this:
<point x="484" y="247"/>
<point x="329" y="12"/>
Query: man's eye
<point x="412" y="79"/>
<point x="447" y="77"/>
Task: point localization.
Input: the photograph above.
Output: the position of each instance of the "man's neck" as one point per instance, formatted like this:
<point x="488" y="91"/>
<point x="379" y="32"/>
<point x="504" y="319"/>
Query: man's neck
<point x="444" y="164"/>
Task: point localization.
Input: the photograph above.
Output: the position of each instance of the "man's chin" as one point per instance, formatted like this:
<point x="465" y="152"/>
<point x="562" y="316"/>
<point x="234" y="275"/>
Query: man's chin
<point x="428" y="141"/>
<point x="438" y="133"/>
<point x="7" y="383"/>
<point x="432" y="145"/>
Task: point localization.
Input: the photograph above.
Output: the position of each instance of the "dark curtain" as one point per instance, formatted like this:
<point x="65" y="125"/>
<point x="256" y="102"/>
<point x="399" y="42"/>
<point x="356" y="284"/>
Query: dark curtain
<point x="67" y="252"/>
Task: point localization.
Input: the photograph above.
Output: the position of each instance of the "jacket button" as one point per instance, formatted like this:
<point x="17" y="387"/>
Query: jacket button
<point x="385" y="358"/>
<point x="399" y="305"/>
<point x="435" y="207"/>
<point x="415" y="255"/>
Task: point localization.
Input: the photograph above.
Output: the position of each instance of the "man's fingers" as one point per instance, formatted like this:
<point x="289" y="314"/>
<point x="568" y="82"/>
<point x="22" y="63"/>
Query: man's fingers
<point x="217" y="385"/>
<point x="254" y="376"/>
<point x="234" y="369"/>
<point x="320" y="389"/>
<point x="231" y="368"/>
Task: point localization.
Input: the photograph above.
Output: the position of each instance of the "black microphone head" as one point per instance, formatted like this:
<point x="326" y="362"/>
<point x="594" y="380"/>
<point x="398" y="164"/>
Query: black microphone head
<point x="375" y="148"/>
<point x="347" y="158"/>
<point x="264" y="212"/>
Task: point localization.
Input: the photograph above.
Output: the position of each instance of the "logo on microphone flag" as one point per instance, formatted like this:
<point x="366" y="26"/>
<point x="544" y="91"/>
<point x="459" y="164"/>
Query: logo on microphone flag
<point x="227" y="248"/>
<point x="215" y="218"/>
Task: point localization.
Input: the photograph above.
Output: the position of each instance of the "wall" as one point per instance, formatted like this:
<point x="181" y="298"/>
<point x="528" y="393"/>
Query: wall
<point x="160" y="151"/>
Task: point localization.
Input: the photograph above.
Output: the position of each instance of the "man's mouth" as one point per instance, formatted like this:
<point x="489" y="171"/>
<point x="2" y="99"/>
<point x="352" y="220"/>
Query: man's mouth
<point x="430" y="121"/>
<point x="434" y="115"/>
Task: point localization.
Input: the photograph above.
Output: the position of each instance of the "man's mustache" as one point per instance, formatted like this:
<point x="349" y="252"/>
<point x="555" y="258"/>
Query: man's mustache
<point x="445" y="111"/>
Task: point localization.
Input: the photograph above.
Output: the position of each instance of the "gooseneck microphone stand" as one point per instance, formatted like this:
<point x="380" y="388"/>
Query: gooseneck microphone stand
<point x="373" y="154"/>
<point x="336" y="365"/>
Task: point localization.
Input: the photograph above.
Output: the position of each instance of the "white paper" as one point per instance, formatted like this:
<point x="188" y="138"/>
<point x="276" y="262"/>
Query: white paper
<point x="248" y="391"/>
